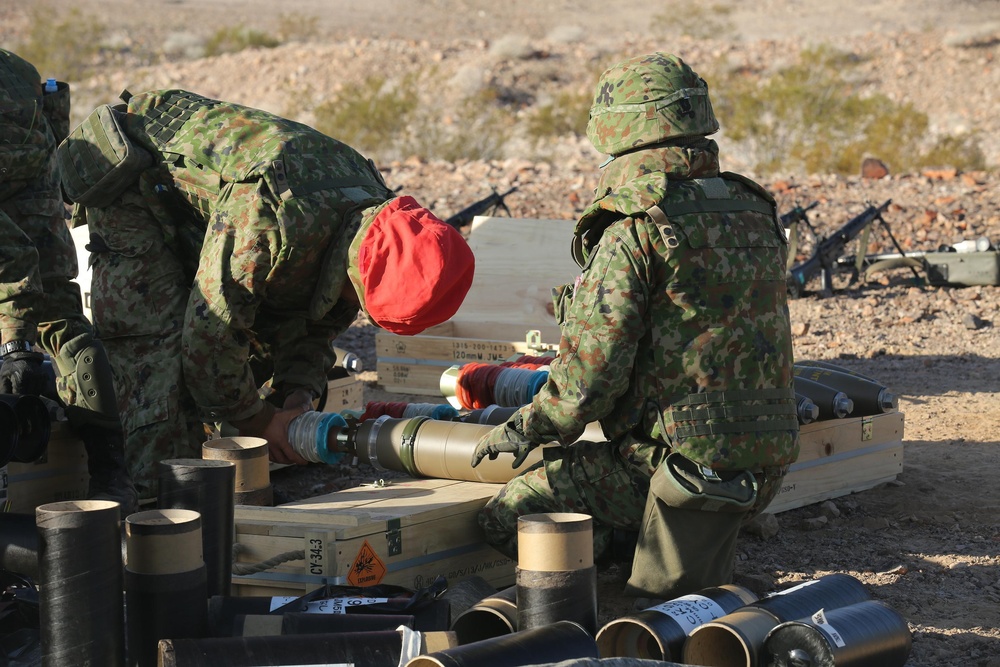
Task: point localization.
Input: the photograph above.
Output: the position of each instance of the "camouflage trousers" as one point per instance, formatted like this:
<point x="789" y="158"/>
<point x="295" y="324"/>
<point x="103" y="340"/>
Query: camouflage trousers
<point x="36" y="217"/>
<point x="591" y="478"/>
<point x="140" y="290"/>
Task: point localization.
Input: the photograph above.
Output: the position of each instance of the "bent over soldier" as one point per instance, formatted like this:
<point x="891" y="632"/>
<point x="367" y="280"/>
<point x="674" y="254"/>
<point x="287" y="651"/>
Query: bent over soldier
<point x="40" y="304"/>
<point x="218" y="230"/>
<point x="675" y="338"/>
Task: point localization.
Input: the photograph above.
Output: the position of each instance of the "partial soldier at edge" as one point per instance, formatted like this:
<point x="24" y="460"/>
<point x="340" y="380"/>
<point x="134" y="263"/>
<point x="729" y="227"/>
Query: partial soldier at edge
<point x="40" y="304"/>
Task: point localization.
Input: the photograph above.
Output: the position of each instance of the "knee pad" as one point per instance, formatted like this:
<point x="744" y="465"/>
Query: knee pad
<point x="85" y="359"/>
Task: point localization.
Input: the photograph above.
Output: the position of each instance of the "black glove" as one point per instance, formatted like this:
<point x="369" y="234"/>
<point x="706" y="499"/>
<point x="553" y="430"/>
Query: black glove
<point x="22" y="373"/>
<point x="503" y="438"/>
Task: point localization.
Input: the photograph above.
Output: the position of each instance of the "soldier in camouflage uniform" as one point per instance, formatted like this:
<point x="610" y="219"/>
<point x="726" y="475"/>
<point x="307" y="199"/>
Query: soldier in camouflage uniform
<point x="239" y="231"/>
<point x="675" y="337"/>
<point x="39" y="301"/>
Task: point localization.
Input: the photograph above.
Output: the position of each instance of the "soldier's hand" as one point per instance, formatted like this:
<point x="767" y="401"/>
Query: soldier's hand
<point x="22" y="373"/>
<point x="272" y="425"/>
<point x="503" y="439"/>
<point x="276" y="434"/>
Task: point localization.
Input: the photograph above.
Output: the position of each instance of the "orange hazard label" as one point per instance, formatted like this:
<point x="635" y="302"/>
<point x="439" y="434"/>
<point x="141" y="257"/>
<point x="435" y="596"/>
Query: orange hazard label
<point x="367" y="568"/>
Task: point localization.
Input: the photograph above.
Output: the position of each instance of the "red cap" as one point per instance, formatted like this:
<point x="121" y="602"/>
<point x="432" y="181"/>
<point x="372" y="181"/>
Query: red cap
<point x="415" y="268"/>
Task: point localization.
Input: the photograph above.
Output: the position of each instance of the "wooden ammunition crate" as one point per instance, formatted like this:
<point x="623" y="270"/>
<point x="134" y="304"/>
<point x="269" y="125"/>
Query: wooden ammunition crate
<point x="406" y="533"/>
<point x="60" y="474"/>
<point x="842" y="456"/>
<point x="344" y="394"/>
<point x="507" y="312"/>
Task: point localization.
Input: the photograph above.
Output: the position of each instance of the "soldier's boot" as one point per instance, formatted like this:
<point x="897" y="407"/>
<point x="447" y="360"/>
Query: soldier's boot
<point x="94" y="417"/>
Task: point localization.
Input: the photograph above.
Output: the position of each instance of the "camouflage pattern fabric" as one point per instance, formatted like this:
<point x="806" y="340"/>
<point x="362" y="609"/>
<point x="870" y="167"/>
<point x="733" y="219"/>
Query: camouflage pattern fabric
<point x="235" y="240"/>
<point x="646" y="100"/>
<point x="39" y="300"/>
<point x="660" y="313"/>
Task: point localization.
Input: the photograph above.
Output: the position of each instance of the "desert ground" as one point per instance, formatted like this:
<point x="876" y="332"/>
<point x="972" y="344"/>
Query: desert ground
<point x="927" y="544"/>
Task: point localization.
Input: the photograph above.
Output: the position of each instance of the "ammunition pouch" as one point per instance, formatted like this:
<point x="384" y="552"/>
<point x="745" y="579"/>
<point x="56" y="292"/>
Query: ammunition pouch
<point x="687" y="539"/>
<point x="98" y="161"/>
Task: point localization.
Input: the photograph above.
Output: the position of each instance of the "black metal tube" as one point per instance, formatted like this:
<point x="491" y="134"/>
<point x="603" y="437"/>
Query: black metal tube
<point x="659" y="632"/>
<point x="492" y="616"/>
<point x="372" y="649"/>
<point x="34" y="425"/>
<point x="255" y="625"/>
<point x="805" y="599"/>
<point x="738" y="637"/>
<point x="249" y="455"/>
<point x="19" y="544"/>
<point x="207" y="487"/>
<point x="161" y="606"/>
<point x="870" y="398"/>
<point x="832" y="404"/>
<point x="817" y="363"/>
<point x="556" y="577"/>
<point x="8" y="433"/>
<point x="866" y="634"/>
<point x="430" y="616"/>
<point x="559" y="641"/>
<point x="165" y="581"/>
<point x="80" y="584"/>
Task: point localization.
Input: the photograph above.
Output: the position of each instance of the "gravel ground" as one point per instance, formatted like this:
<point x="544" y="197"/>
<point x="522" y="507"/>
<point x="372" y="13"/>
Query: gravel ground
<point x="927" y="544"/>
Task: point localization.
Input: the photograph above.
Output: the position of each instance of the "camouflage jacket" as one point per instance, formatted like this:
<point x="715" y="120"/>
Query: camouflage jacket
<point x="666" y="317"/>
<point x="30" y="128"/>
<point x="267" y="270"/>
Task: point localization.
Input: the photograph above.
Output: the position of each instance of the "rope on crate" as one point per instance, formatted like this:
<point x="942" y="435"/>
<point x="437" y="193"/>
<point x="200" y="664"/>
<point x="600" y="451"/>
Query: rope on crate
<point x="263" y="566"/>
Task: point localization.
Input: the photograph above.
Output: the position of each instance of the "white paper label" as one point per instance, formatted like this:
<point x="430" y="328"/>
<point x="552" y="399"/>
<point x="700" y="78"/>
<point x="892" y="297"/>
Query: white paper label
<point x="795" y="588"/>
<point x="691" y="611"/>
<point x="819" y="618"/>
<point x="328" y="606"/>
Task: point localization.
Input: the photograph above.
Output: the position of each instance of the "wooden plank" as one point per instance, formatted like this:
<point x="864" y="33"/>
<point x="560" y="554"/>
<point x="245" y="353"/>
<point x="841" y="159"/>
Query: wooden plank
<point x="480" y="560"/>
<point x="412" y="376"/>
<point x="330" y="505"/>
<point x="459" y="349"/>
<point x="60" y="474"/>
<point x="409" y="552"/>
<point x="831" y="437"/>
<point x="518" y="262"/>
<point x="814" y="481"/>
<point x="373" y="515"/>
<point x="344" y="394"/>
<point x="510" y="295"/>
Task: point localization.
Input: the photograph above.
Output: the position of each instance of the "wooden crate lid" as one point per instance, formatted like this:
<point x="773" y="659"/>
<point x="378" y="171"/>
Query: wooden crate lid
<point x="518" y="262"/>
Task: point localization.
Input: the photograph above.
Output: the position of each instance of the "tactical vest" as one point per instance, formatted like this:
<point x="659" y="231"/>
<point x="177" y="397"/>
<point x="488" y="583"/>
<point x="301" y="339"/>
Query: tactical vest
<point x="172" y="123"/>
<point x="729" y="252"/>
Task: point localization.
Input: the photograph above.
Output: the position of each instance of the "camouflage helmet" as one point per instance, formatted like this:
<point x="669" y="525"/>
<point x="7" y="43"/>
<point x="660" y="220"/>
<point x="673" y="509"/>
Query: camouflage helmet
<point x="648" y="99"/>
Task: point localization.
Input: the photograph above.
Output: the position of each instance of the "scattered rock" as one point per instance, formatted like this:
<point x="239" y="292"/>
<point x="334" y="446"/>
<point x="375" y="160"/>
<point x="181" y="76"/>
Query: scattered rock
<point x="875" y="523"/>
<point x="829" y="509"/>
<point x="814" y="523"/>
<point x="759" y="584"/>
<point x="763" y="525"/>
<point x="970" y="321"/>
<point x="873" y="168"/>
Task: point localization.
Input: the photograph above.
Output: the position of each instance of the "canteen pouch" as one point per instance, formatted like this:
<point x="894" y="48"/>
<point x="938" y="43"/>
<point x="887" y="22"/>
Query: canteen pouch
<point x="55" y="107"/>
<point x="687" y="539"/>
<point x="98" y="161"/>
